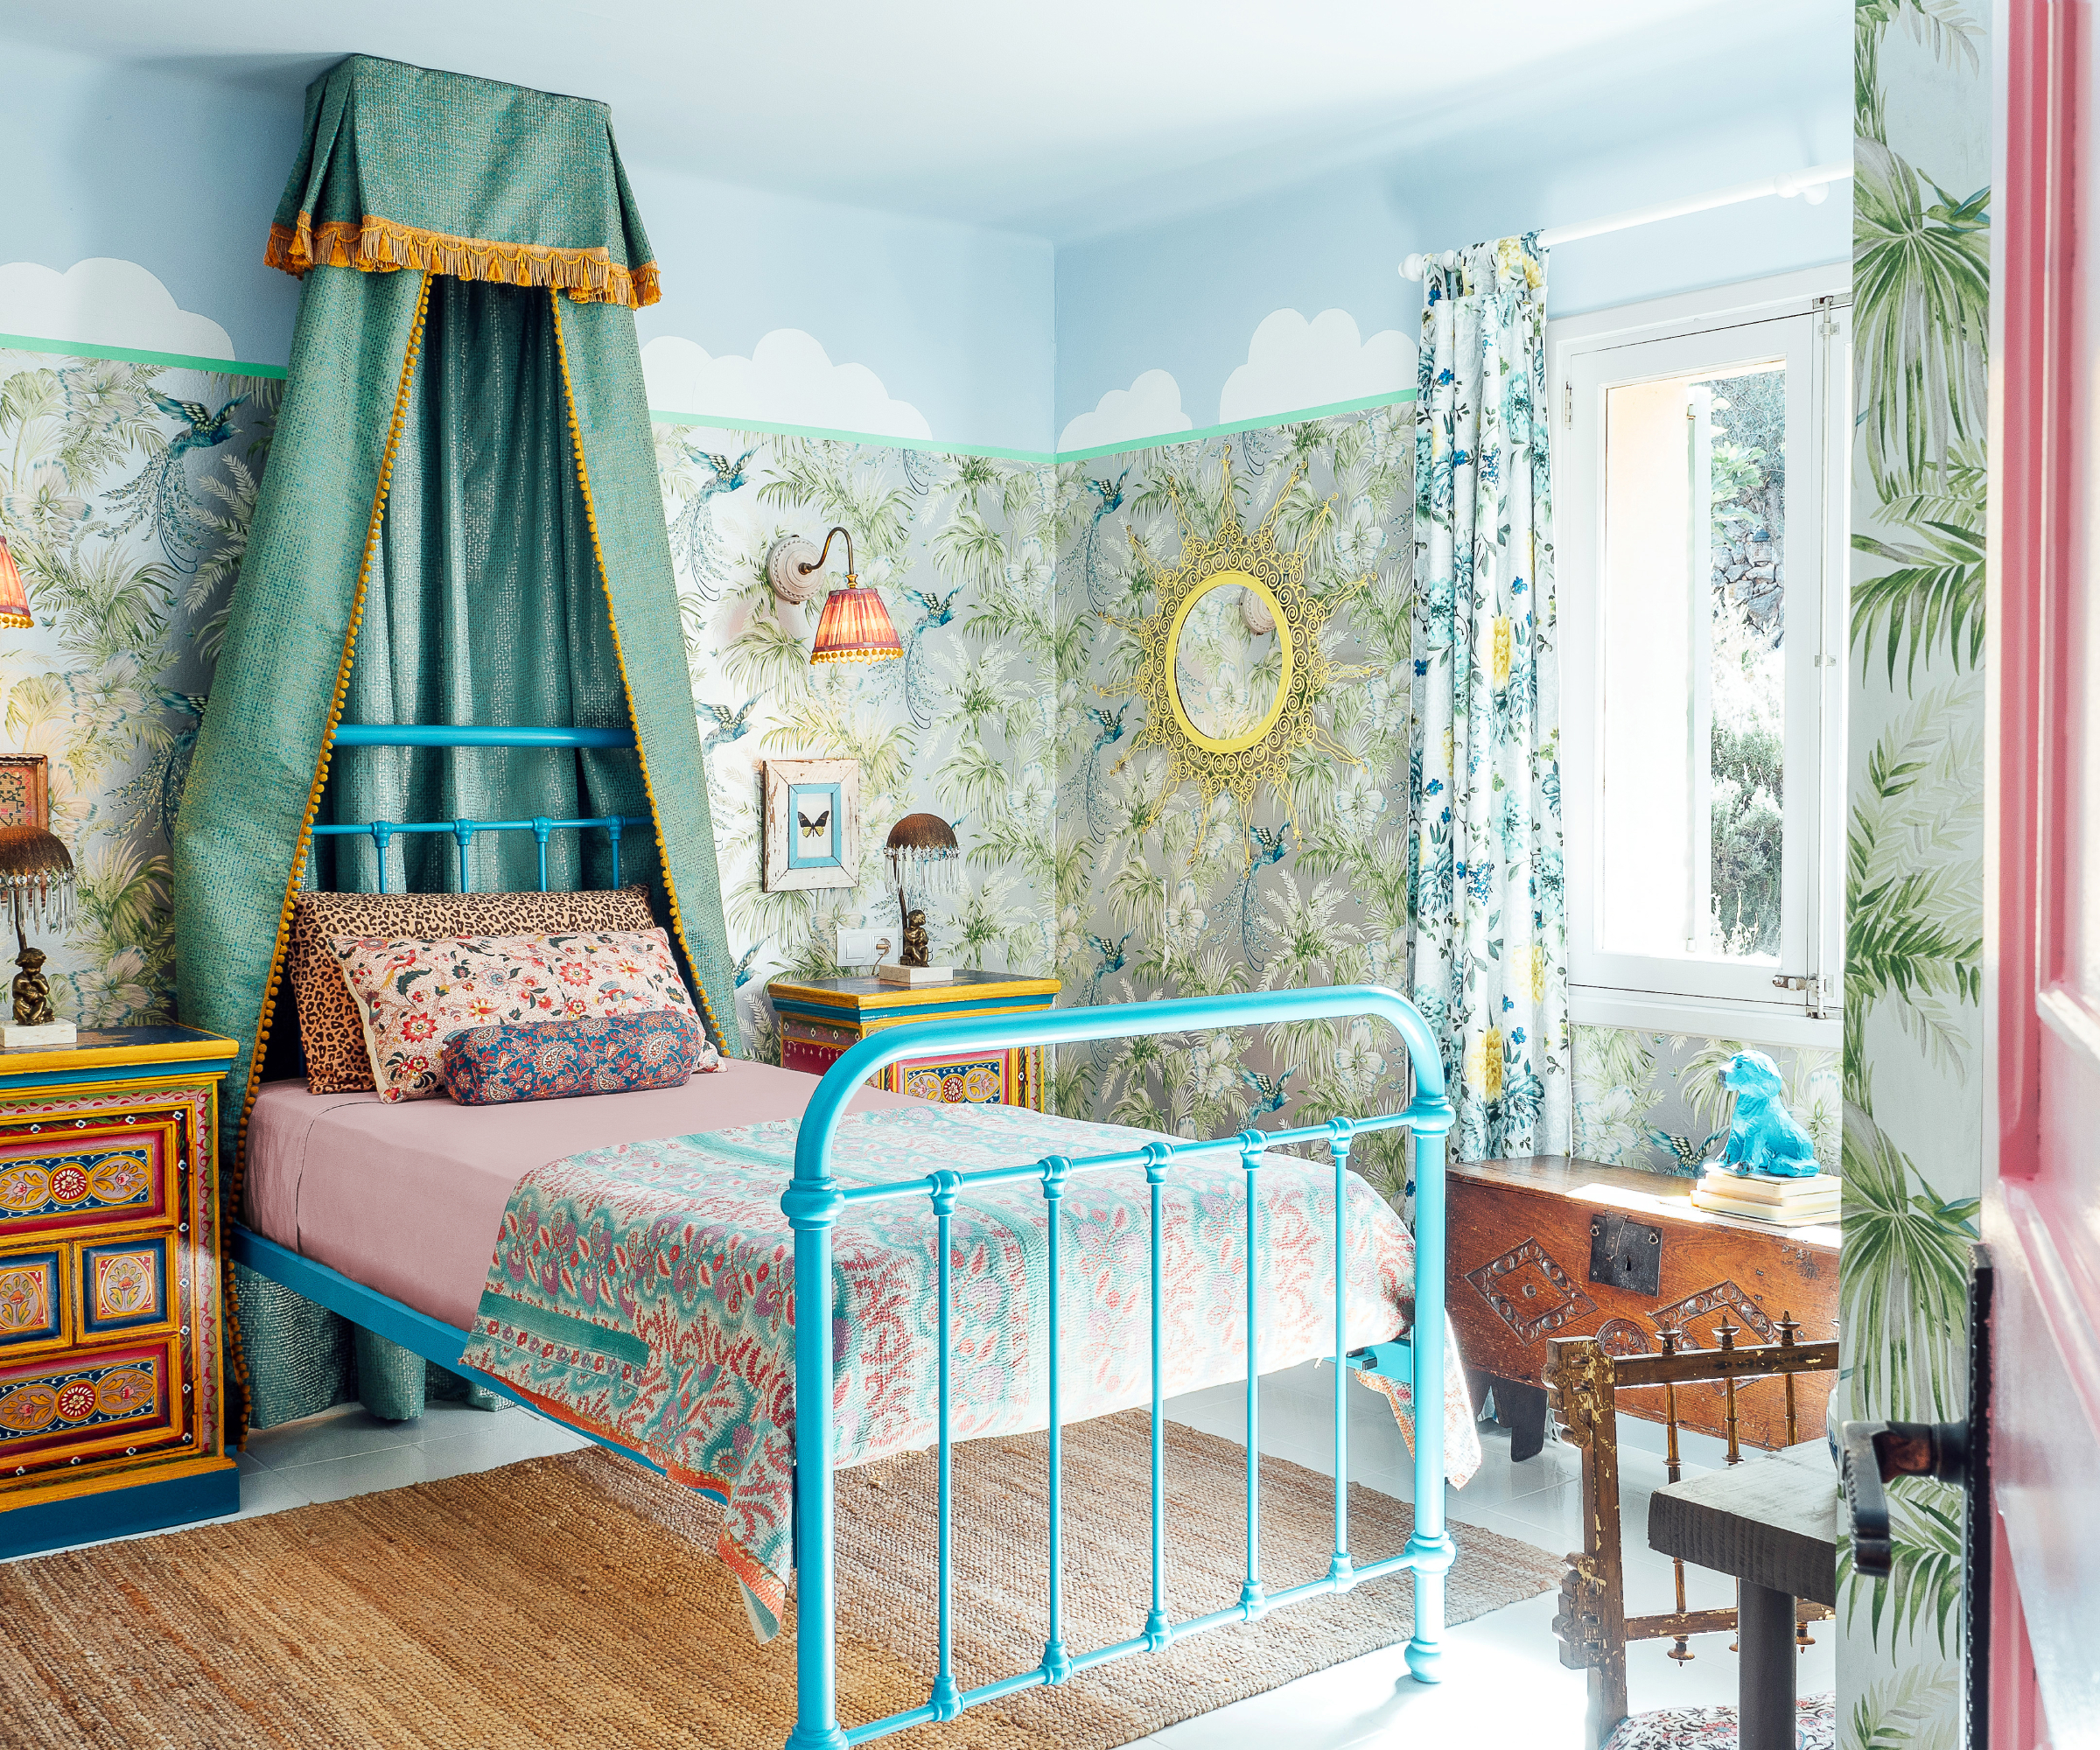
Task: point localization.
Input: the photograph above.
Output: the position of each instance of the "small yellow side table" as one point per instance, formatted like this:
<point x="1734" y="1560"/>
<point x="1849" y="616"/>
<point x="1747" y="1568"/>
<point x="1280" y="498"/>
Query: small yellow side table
<point x="822" y="1017"/>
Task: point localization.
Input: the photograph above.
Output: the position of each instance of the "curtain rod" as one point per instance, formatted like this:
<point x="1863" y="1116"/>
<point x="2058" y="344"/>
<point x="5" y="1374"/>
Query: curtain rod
<point x="1814" y="183"/>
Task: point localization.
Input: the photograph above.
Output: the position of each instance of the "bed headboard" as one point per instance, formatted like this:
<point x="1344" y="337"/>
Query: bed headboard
<point x="542" y="827"/>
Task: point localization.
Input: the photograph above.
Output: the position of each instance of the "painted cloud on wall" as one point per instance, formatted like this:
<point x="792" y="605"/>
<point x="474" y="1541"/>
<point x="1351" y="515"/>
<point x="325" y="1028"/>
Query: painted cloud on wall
<point x="788" y="379"/>
<point x="1150" y="406"/>
<point x="104" y="302"/>
<point x="1293" y="365"/>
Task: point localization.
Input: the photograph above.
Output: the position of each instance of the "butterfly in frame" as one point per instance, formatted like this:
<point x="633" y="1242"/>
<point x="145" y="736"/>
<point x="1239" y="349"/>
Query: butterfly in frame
<point x="813" y="829"/>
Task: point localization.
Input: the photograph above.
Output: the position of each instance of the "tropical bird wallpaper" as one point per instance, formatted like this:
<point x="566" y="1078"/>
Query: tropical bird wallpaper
<point x="125" y="489"/>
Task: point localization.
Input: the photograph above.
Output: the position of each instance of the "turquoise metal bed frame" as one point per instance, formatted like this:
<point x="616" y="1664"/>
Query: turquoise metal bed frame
<point x="815" y="1202"/>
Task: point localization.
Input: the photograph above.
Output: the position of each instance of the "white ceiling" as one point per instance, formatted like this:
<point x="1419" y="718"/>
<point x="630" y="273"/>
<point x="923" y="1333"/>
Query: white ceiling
<point x="1060" y="119"/>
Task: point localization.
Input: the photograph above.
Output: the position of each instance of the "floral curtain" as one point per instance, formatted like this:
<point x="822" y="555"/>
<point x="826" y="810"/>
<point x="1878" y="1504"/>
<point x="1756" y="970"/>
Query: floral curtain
<point x="1489" y="937"/>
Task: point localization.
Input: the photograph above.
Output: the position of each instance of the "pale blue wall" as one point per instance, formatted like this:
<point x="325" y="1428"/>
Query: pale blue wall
<point x="1185" y="296"/>
<point x="995" y="338"/>
<point x="179" y="167"/>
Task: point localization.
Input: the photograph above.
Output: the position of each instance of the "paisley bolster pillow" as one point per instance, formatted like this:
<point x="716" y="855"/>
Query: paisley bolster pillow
<point x="555" y="1059"/>
<point x="412" y="996"/>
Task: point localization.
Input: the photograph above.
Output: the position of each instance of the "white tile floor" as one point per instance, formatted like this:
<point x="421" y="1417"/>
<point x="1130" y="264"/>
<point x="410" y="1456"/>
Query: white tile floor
<point x="1508" y="1656"/>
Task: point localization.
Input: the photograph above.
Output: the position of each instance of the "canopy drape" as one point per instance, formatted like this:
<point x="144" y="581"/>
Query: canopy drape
<point x="459" y="523"/>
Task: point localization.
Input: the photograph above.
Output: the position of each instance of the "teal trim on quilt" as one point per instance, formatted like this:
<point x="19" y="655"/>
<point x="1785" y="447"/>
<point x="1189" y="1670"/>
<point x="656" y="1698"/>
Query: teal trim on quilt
<point x="560" y="1328"/>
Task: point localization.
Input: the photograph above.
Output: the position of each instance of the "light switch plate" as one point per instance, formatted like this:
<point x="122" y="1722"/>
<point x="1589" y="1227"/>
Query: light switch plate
<point x="861" y="947"/>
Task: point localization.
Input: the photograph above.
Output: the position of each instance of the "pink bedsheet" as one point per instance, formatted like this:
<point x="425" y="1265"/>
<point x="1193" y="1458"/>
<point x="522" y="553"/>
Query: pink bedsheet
<point x="408" y="1198"/>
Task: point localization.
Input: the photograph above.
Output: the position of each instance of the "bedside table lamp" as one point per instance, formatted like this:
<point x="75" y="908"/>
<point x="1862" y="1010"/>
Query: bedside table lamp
<point x="37" y="869"/>
<point x="923" y="852"/>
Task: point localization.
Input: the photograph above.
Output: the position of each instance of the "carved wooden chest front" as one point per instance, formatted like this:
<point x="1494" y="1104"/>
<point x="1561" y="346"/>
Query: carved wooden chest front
<point x="1551" y="1247"/>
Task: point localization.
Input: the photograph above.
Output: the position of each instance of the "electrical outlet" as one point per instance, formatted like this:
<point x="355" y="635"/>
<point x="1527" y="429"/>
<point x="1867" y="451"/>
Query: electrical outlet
<point x="861" y="947"/>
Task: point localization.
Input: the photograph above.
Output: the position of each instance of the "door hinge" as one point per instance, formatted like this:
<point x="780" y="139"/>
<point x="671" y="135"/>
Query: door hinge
<point x="1567" y="403"/>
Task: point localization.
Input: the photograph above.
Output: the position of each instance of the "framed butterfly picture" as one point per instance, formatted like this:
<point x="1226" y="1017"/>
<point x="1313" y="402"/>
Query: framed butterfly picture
<point x="812" y="825"/>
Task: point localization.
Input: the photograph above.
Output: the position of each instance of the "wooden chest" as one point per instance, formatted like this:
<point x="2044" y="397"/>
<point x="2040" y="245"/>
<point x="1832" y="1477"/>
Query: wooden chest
<point x="110" y="1339"/>
<point x="820" y="1019"/>
<point x="1551" y="1247"/>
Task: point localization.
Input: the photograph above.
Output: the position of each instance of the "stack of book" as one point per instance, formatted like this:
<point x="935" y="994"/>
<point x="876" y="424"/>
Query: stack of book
<point x="1767" y="1197"/>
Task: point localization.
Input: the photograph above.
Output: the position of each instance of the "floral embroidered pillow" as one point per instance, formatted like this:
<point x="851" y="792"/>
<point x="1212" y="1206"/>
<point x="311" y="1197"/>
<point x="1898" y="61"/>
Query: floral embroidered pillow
<point x="413" y="995"/>
<point x="558" y="1059"/>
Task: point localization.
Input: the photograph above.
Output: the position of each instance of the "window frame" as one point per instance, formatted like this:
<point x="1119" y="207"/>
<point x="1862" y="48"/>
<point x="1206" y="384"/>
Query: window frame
<point x="1693" y="997"/>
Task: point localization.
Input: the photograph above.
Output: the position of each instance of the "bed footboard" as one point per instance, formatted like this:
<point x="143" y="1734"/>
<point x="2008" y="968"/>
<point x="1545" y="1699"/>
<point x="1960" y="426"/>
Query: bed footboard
<point x="814" y="1202"/>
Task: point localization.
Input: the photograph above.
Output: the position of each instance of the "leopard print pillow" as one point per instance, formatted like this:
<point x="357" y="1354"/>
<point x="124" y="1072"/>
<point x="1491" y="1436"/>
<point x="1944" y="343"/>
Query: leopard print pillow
<point x="337" y="1059"/>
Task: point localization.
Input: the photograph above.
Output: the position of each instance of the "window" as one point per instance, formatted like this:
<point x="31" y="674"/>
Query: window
<point x="1701" y="501"/>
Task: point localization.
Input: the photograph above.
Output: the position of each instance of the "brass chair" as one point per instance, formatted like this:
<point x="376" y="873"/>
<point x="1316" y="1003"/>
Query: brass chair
<point x="1583" y="1381"/>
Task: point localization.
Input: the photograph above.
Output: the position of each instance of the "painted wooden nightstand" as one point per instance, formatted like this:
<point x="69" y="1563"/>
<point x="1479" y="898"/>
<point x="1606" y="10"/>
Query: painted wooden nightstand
<point x="821" y="1018"/>
<point x="111" y="1347"/>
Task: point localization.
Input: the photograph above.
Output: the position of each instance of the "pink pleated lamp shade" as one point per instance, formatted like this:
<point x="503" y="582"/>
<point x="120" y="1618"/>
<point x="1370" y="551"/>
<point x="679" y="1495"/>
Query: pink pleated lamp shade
<point x="14" y="599"/>
<point x="855" y="628"/>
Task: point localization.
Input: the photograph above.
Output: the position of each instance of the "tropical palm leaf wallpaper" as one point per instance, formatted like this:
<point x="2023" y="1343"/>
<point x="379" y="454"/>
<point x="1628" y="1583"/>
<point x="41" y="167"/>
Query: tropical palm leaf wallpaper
<point x="1913" y="1059"/>
<point x="125" y="490"/>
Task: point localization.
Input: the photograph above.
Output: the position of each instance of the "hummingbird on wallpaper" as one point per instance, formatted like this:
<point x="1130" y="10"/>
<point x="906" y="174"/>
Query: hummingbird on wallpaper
<point x="1269" y="1090"/>
<point x="744" y="965"/>
<point x="920" y="693"/>
<point x="1108" y="731"/>
<point x="728" y="726"/>
<point x="694" y="538"/>
<point x="1111" y="497"/>
<point x="1267" y="848"/>
<point x="1688" y="1155"/>
<point x="161" y="493"/>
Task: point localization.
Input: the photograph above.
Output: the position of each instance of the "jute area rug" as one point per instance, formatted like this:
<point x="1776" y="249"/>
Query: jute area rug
<point x="576" y="1601"/>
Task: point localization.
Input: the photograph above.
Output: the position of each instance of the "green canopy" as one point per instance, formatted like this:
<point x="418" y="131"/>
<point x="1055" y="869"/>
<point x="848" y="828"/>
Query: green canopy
<point x="459" y="523"/>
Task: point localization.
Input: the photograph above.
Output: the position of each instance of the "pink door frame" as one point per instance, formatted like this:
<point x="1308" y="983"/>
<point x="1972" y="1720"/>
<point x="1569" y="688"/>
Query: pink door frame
<point x="2041" y="1191"/>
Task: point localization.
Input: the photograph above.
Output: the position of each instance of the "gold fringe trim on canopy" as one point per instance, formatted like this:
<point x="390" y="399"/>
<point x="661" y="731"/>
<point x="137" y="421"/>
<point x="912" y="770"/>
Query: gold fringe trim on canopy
<point x="236" y="1355"/>
<point x="377" y="245"/>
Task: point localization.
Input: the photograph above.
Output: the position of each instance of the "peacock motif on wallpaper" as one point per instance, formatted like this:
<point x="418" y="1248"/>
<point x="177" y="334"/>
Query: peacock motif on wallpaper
<point x="1108" y="499"/>
<point x="695" y="541"/>
<point x="1108" y="731"/>
<point x="1265" y="849"/>
<point x="159" y="496"/>
<point x="922" y="696"/>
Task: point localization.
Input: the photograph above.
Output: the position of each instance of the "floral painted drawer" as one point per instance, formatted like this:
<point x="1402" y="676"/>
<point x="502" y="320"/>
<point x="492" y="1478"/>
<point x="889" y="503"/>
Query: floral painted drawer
<point x="111" y="1347"/>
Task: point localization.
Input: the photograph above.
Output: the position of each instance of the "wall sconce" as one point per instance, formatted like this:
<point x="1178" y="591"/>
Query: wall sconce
<point x="855" y="625"/>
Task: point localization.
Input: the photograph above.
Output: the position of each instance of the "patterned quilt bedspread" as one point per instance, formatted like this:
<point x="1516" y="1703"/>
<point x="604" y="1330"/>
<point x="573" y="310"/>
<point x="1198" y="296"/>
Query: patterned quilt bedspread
<point x="646" y="1292"/>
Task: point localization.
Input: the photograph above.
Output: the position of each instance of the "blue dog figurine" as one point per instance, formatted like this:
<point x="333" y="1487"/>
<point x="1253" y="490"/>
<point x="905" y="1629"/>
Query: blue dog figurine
<point x="1763" y="1136"/>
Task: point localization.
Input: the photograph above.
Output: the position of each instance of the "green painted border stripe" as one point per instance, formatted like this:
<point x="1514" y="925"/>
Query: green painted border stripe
<point x="132" y="355"/>
<point x="1203" y="433"/>
<point x="887" y="440"/>
<point x="559" y="1327"/>
<point x="1197" y="435"/>
<point x="235" y="368"/>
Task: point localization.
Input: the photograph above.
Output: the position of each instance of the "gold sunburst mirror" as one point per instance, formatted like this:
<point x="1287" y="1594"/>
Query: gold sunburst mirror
<point x="1231" y="664"/>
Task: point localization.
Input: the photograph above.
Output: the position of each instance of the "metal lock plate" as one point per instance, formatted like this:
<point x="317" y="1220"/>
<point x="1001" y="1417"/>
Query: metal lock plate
<point x="1625" y="1253"/>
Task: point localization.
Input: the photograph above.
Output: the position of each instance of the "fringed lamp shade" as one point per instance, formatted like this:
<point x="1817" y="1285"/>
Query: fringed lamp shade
<point x="855" y="628"/>
<point x="14" y="599"/>
<point x="36" y="874"/>
<point x="923" y="854"/>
